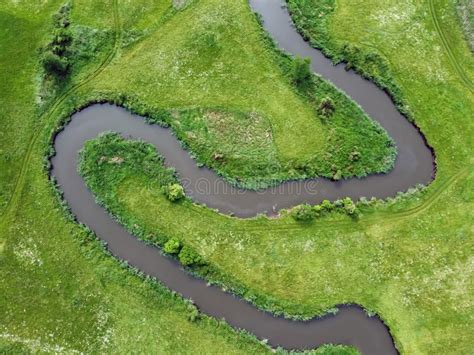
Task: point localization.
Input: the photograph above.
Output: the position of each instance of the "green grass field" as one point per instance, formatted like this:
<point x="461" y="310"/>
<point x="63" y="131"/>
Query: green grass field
<point x="466" y="17"/>
<point x="409" y="259"/>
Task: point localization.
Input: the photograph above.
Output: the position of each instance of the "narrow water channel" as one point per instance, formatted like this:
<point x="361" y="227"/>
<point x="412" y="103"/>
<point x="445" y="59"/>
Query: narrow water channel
<point x="351" y="325"/>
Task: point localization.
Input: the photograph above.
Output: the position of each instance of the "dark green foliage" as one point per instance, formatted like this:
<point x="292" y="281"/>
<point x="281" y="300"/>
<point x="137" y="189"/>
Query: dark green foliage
<point x="56" y="55"/>
<point x="187" y="256"/>
<point x="54" y="64"/>
<point x="301" y="72"/>
<point x="327" y="107"/>
<point x="174" y="192"/>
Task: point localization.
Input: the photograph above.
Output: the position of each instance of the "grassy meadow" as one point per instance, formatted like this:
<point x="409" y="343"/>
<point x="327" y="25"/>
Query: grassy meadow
<point x="409" y="259"/>
<point x="466" y="17"/>
<point x="61" y="291"/>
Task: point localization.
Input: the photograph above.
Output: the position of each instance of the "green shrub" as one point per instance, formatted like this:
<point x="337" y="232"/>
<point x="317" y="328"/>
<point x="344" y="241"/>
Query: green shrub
<point x="193" y="313"/>
<point x="327" y="205"/>
<point x="317" y="210"/>
<point x="187" y="256"/>
<point x="173" y="192"/>
<point x="304" y="213"/>
<point x="172" y="246"/>
<point x="327" y="107"/>
<point x="349" y="206"/>
<point x="301" y="72"/>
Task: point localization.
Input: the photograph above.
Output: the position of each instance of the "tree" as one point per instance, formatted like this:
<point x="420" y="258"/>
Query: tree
<point x="301" y="72"/>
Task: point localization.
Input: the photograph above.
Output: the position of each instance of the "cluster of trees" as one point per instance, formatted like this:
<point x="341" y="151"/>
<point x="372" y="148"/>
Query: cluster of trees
<point x="306" y="213"/>
<point x="186" y="255"/>
<point x="56" y="55"/>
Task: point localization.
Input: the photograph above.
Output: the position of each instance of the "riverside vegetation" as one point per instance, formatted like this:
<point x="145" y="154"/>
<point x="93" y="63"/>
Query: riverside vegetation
<point x="409" y="259"/>
<point x="70" y="295"/>
<point x="373" y="260"/>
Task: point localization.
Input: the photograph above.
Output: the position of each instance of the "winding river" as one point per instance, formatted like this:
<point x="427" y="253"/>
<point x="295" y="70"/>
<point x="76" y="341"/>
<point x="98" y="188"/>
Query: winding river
<point x="414" y="165"/>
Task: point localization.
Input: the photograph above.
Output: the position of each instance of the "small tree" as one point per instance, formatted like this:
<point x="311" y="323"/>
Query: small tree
<point x="172" y="246"/>
<point x="188" y="256"/>
<point x="301" y="72"/>
<point x="327" y="107"/>
<point x="173" y="192"/>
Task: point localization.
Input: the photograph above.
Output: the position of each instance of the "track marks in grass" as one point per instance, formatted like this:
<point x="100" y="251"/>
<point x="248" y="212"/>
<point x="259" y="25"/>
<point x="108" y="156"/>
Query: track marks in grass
<point x="19" y="182"/>
<point x="451" y="56"/>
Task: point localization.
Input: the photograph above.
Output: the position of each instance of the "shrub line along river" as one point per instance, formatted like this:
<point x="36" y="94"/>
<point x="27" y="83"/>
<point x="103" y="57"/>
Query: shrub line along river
<point x="351" y="326"/>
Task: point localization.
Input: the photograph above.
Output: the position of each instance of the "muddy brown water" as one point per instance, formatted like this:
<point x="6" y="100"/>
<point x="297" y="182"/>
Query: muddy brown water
<point x="351" y="325"/>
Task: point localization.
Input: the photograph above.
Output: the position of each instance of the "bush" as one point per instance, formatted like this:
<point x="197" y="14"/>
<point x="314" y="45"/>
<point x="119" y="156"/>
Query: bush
<point x="327" y="107"/>
<point x="173" y="192"/>
<point x="355" y="155"/>
<point x="53" y="64"/>
<point x="317" y="210"/>
<point x="172" y="246"/>
<point x="187" y="256"/>
<point x="327" y="205"/>
<point x="349" y="206"/>
<point x="301" y="72"/>
<point x="304" y="213"/>
<point x="193" y="313"/>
